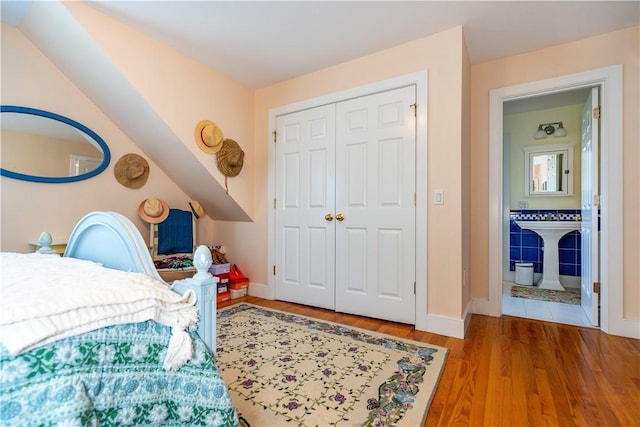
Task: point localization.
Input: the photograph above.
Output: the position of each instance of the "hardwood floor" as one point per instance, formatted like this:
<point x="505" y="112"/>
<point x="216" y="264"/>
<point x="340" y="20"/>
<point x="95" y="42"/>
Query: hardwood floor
<point x="513" y="372"/>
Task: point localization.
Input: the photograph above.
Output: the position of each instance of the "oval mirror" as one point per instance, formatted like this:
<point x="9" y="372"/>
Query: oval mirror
<point x="41" y="146"/>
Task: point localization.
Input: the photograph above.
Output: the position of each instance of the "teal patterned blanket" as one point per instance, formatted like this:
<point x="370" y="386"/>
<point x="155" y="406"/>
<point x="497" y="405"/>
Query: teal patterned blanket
<point x="112" y="377"/>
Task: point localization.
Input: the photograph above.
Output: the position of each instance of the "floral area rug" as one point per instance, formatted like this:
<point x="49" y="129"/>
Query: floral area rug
<point x="569" y="296"/>
<point x="284" y="369"/>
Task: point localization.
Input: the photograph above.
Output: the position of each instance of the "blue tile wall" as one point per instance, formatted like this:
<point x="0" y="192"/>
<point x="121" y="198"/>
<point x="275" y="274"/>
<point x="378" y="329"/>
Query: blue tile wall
<point x="526" y="246"/>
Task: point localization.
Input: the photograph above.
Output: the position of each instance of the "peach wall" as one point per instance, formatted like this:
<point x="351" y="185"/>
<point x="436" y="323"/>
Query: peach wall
<point x="444" y="150"/>
<point x="180" y="90"/>
<point x="465" y="162"/>
<point x="30" y="79"/>
<point x="619" y="47"/>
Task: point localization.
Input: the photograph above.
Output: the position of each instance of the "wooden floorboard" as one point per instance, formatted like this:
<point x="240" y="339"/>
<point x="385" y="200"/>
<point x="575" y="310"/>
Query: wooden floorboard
<point x="514" y="372"/>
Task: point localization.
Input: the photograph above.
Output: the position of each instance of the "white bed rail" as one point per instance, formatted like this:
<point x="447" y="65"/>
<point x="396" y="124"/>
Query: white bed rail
<point x="204" y="285"/>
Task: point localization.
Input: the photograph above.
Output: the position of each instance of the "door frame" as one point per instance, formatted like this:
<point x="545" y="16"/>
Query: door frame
<point x="419" y="79"/>
<point x="609" y="79"/>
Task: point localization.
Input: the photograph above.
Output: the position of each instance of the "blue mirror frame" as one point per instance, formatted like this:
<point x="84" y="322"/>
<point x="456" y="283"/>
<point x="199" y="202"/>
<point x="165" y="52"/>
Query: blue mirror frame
<point x="58" y="180"/>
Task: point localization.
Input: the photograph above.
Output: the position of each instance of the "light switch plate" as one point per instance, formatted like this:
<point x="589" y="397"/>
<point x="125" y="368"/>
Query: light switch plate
<point x="438" y="197"/>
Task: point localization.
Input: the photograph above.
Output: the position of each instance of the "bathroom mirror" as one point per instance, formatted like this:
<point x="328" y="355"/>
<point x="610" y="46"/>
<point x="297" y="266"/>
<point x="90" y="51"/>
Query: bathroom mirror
<point x="549" y="170"/>
<point x="41" y="146"/>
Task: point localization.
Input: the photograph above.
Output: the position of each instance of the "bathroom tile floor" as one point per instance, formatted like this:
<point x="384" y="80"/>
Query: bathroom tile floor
<point x="542" y="310"/>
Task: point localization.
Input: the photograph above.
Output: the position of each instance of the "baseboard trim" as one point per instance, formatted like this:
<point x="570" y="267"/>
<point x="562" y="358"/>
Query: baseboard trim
<point x="485" y="307"/>
<point x="449" y="326"/>
<point x="260" y="291"/>
<point x="467" y="315"/>
<point x="629" y="328"/>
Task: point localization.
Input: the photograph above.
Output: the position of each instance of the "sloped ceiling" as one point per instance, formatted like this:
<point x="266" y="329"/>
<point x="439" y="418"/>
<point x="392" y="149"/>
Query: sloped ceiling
<point x="51" y="27"/>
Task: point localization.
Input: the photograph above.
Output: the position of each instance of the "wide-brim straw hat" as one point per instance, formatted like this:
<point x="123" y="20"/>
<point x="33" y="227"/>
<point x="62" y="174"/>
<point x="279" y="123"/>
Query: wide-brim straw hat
<point x="153" y="210"/>
<point x="196" y="209"/>
<point x="131" y="170"/>
<point x="230" y="158"/>
<point x="208" y="136"/>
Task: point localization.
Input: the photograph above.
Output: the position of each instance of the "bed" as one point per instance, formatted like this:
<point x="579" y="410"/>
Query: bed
<point x="95" y="337"/>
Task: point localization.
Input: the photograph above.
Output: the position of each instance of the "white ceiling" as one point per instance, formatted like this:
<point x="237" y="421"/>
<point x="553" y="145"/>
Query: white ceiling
<point x="263" y="42"/>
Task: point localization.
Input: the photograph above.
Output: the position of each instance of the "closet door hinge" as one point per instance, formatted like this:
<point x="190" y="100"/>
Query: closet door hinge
<point x="274" y="270"/>
<point x="596" y="287"/>
<point x="275" y="136"/>
<point x="275" y="203"/>
<point x="596" y="113"/>
<point x="414" y="288"/>
<point x="414" y="107"/>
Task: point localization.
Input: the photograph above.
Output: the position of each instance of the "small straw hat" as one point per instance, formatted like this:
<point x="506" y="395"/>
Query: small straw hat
<point x="230" y="160"/>
<point x="208" y="136"/>
<point x="196" y="209"/>
<point x="131" y="170"/>
<point x="153" y="210"/>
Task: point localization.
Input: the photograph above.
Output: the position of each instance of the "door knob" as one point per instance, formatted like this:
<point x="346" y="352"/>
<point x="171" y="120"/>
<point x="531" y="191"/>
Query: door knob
<point x="340" y="217"/>
<point x="328" y="217"/>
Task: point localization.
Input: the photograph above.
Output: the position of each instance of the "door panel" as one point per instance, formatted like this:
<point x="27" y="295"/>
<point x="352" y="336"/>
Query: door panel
<point x="389" y="263"/>
<point x="305" y="180"/>
<point x="590" y="252"/>
<point x="390" y="176"/>
<point x="356" y="175"/>
<point x="291" y="249"/>
<point x="375" y="187"/>
<point x="356" y="254"/>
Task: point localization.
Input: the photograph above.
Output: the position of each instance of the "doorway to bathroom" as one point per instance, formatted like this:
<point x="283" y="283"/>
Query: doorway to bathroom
<point x="609" y="219"/>
<point x="546" y="187"/>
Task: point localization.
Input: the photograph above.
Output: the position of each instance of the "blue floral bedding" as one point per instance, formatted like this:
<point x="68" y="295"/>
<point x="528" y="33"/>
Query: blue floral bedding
<point x="112" y="376"/>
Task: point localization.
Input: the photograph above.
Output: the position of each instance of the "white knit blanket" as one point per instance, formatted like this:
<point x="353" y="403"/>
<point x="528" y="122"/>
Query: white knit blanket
<point x="44" y="298"/>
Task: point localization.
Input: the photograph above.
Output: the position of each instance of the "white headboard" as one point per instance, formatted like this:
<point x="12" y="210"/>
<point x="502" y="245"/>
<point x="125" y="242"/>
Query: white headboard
<point x="111" y="239"/>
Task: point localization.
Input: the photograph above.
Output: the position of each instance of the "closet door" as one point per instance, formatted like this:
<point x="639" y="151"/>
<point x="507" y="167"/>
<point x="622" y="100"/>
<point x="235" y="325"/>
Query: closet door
<point x="305" y="206"/>
<point x="375" y="206"/>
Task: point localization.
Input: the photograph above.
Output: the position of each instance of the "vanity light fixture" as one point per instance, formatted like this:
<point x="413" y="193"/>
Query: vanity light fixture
<point x="545" y="129"/>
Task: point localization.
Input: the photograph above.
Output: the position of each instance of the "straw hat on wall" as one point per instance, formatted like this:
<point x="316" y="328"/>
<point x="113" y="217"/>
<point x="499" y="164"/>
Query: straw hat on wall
<point x="230" y="160"/>
<point x="153" y="210"/>
<point x="196" y="209"/>
<point x="208" y="136"/>
<point x="131" y="170"/>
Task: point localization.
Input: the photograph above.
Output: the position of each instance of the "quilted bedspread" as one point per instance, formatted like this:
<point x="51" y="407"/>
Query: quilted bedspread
<point x="112" y="376"/>
<point x="47" y="297"/>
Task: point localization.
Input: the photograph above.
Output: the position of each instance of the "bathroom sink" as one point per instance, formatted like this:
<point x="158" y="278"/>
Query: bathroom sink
<point x="562" y="227"/>
<point x="551" y="233"/>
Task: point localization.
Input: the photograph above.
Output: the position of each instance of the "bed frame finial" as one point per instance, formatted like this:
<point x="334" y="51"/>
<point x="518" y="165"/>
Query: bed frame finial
<point x="202" y="262"/>
<point x="45" y="241"/>
<point x="204" y="285"/>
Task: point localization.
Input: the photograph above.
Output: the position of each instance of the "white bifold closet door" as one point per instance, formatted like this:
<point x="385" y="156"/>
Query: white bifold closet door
<point x="345" y="206"/>
<point x="305" y="193"/>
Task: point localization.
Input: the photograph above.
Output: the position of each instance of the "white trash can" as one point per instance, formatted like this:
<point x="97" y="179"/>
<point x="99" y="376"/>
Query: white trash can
<point x="524" y="273"/>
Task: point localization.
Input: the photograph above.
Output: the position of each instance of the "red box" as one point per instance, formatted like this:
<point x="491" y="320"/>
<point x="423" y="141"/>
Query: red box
<point x="223" y="278"/>
<point x="224" y="296"/>
<point x="239" y="284"/>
